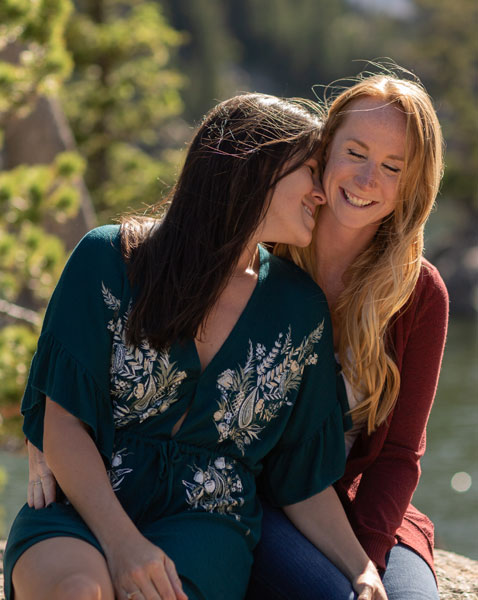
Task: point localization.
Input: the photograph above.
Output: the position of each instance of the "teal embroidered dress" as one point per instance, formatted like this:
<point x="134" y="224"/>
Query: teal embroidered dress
<point x="266" y="407"/>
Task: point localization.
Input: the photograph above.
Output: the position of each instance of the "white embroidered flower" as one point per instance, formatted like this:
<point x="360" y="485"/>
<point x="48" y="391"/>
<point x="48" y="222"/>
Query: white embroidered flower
<point x="226" y="379"/>
<point x="199" y="477"/>
<point x="259" y="406"/>
<point x="311" y="360"/>
<point x="220" y="462"/>
<point x="117" y="460"/>
<point x="210" y="486"/>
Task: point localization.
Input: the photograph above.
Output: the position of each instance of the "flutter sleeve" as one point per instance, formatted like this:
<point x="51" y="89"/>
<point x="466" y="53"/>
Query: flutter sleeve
<point x="72" y="362"/>
<point x="310" y="454"/>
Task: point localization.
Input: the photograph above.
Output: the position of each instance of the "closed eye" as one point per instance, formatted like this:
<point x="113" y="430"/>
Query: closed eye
<point x="313" y="167"/>
<point x="355" y="154"/>
<point x="392" y="169"/>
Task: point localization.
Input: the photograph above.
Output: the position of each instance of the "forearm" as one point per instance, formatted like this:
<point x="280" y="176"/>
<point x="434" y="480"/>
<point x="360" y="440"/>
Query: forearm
<point x="323" y="521"/>
<point x="80" y="472"/>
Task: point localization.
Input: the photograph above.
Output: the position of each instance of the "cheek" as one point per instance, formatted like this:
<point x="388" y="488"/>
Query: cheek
<point x="392" y="194"/>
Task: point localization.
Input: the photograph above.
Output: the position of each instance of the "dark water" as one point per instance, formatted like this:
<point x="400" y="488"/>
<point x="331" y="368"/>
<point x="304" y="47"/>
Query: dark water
<point x="452" y="448"/>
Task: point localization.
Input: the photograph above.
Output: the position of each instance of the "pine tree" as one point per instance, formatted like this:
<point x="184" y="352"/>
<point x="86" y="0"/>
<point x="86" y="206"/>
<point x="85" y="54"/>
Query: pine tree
<point x="122" y="100"/>
<point x="33" y="61"/>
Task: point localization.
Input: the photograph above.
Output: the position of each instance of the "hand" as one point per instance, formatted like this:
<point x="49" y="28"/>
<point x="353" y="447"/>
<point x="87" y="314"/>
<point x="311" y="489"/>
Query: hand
<point x="368" y="584"/>
<point x="41" y="482"/>
<point x="140" y="570"/>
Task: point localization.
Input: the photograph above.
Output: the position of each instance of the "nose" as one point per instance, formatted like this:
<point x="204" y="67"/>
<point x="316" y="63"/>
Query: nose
<point x="366" y="176"/>
<point x="318" y="194"/>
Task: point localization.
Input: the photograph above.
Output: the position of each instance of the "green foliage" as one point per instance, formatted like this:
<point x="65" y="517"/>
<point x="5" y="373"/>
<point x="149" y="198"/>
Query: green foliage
<point x="34" y="31"/>
<point x="31" y="259"/>
<point x="31" y="263"/>
<point x="32" y="41"/>
<point x="122" y="93"/>
<point x="17" y="344"/>
<point x="444" y="50"/>
<point x="121" y="96"/>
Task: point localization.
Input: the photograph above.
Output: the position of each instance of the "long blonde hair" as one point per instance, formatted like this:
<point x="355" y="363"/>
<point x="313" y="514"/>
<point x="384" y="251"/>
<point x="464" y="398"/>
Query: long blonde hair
<point x="382" y="279"/>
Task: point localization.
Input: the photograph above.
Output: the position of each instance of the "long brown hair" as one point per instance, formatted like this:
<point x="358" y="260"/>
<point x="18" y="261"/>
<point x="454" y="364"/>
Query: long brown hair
<point x="181" y="264"/>
<point x="382" y="279"/>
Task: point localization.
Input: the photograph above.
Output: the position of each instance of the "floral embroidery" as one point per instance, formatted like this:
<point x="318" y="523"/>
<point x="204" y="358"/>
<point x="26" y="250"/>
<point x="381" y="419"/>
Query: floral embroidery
<point x="213" y="488"/>
<point x="143" y="381"/>
<point x="253" y="394"/>
<point x="118" y="473"/>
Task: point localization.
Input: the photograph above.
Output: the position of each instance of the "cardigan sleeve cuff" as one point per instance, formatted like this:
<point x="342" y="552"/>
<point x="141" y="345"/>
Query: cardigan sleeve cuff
<point x="377" y="545"/>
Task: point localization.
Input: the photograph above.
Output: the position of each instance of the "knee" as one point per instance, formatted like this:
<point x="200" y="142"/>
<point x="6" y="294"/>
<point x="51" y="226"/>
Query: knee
<point x="81" y="586"/>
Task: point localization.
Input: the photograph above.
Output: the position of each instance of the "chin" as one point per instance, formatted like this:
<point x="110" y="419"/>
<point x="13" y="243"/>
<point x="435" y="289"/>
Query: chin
<point x="302" y="242"/>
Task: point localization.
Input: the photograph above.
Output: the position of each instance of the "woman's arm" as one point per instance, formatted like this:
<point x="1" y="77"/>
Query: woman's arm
<point x="387" y="485"/>
<point x="134" y="562"/>
<point x="323" y="521"/>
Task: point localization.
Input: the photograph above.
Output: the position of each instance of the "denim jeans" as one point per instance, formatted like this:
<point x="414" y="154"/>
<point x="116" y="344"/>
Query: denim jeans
<point x="288" y="567"/>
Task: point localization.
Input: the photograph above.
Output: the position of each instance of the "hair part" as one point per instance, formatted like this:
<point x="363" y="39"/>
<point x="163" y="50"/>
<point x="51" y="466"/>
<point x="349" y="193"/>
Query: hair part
<point x="382" y="279"/>
<point x="182" y="263"/>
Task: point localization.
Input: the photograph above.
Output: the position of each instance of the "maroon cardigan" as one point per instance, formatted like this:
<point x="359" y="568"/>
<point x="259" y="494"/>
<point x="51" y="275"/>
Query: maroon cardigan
<point x="383" y="468"/>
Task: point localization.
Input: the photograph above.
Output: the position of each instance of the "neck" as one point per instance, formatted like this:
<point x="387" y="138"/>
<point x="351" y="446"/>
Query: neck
<point x="336" y="248"/>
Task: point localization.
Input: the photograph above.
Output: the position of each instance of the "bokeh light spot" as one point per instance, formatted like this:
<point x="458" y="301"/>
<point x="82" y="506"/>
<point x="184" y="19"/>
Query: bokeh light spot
<point x="461" y="481"/>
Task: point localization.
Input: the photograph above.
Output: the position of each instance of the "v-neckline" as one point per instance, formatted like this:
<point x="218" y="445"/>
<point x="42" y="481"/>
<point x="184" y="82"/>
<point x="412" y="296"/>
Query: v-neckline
<point x="262" y="272"/>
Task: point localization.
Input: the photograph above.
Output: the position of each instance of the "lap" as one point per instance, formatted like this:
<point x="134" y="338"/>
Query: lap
<point x="287" y="566"/>
<point x="211" y="553"/>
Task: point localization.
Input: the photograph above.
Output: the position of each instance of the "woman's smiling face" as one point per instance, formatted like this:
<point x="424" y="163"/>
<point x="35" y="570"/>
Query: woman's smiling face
<point x="290" y="216"/>
<point x="364" y="162"/>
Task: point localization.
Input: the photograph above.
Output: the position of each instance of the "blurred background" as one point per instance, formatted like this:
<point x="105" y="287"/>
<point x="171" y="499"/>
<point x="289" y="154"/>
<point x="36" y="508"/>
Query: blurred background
<point x="98" y="99"/>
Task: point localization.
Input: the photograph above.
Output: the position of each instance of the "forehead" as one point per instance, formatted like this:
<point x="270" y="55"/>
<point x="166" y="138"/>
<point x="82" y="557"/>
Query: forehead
<point x="372" y="116"/>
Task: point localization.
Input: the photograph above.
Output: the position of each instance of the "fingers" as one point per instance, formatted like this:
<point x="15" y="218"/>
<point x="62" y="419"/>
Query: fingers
<point x="369" y="592"/>
<point x="35" y="494"/>
<point x="368" y="584"/>
<point x="135" y="595"/>
<point x="163" y="583"/>
<point x="49" y="488"/>
<point x="174" y="579"/>
<point x="366" y="593"/>
<point x="156" y="581"/>
<point x="41" y="492"/>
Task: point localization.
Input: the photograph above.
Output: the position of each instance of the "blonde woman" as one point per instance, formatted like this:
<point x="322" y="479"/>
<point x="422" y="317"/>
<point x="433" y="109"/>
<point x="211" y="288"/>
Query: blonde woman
<point x="381" y="162"/>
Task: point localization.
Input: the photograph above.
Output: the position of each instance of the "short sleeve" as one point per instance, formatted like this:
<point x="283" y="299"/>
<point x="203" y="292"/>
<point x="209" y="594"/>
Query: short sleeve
<point x="310" y="455"/>
<point x="72" y="361"/>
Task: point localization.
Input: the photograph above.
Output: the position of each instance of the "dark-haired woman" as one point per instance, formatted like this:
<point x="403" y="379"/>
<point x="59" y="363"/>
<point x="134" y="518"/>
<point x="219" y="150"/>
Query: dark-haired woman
<point x="177" y="361"/>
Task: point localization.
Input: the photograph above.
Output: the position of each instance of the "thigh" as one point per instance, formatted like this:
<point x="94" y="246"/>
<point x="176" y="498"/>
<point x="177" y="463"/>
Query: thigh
<point x="53" y="568"/>
<point x="34" y="526"/>
<point x="288" y="567"/>
<point x="210" y="552"/>
<point x="408" y="576"/>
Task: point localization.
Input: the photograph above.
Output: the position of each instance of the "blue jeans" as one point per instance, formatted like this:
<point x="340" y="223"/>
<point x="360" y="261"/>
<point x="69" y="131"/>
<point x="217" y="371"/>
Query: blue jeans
<point x="288" y="567"/>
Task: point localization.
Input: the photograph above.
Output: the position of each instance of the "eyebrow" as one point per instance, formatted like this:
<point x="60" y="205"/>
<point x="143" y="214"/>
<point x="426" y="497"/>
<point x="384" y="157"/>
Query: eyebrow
<point x="363" y="145"/>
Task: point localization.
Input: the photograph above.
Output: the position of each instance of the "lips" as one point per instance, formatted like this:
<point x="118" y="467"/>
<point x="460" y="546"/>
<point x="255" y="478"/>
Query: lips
<point x="356" y="201"/>
<point x="308" y="210"/>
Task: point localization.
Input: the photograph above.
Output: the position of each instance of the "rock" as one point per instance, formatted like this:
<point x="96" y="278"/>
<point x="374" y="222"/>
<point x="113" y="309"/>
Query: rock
<point x="457" y="575"/>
